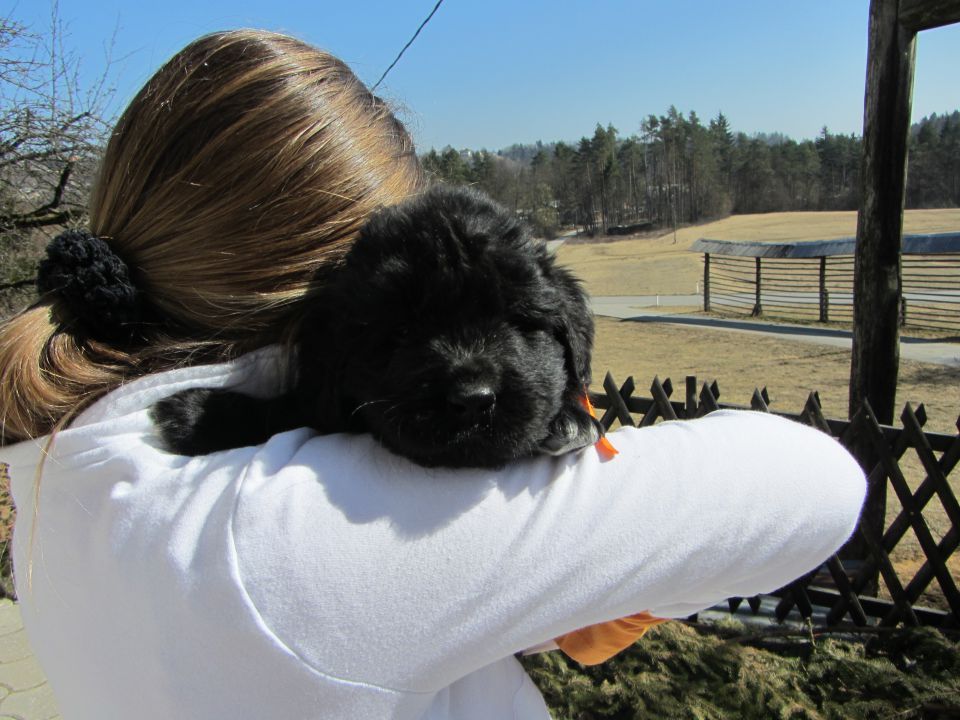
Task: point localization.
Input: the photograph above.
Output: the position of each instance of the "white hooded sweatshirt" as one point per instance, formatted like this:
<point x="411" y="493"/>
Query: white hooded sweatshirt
<point x="321" y="577"/>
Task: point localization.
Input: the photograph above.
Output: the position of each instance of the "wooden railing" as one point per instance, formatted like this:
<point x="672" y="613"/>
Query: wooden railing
<point x="814" y="280"/>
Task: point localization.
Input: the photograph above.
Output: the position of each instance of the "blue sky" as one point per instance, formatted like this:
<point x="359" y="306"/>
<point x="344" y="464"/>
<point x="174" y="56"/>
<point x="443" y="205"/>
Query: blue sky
<point x="488" y="73"/>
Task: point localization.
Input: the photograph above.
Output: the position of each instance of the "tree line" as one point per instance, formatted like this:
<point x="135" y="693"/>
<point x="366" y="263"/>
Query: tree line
<point x="678" y="170"/>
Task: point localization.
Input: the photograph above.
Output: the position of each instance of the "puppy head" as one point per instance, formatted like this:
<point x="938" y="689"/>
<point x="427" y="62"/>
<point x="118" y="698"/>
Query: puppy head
<point x="448" y="333"/>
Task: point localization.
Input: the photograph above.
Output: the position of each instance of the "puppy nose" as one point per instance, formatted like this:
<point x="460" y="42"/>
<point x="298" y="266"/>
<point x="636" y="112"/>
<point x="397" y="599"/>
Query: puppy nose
<point x="471" y="400"/>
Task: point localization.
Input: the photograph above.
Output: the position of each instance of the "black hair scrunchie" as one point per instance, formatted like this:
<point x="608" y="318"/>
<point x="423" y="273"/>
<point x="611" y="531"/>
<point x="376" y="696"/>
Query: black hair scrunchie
<point x="84" y="271"/>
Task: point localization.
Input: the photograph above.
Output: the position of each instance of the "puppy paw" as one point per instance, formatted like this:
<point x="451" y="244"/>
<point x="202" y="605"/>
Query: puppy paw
<point x="572" y="429"/>
<point x="200" y="421"/>
<point x="183" y="421"/>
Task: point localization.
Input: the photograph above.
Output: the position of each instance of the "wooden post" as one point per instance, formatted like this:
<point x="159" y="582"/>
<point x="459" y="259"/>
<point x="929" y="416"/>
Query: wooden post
<point x="876" y="282"/>
<point x="824" y="298"/>
<point x="875" y="356"/>
<point x="690" y="405"/>
<point x="757" y="307"/>
<point x="706" y="282"/>
<point x="917" y="15"/>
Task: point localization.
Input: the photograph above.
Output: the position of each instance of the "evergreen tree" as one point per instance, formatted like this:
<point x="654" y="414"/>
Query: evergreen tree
<point x="676" y="171"/>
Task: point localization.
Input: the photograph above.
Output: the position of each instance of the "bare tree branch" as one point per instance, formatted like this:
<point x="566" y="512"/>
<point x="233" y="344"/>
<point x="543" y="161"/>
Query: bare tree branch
<point x="51" y="129"/>
<point x="18" y="284"/>
<point x="39" y="219"/>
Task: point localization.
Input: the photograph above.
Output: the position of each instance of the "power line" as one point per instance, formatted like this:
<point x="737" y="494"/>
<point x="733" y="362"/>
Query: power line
<point x="409" y="43"/>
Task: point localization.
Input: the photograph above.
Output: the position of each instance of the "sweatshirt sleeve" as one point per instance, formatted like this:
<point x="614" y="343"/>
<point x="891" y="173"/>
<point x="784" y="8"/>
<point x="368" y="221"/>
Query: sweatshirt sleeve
<point x="392" y="575"/>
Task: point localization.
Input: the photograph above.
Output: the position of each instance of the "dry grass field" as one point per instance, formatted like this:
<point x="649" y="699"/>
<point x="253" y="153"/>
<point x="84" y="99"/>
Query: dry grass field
<point x="654" y="264"/>
<point x="791" y="369"/>
<point x="740" y="362"/>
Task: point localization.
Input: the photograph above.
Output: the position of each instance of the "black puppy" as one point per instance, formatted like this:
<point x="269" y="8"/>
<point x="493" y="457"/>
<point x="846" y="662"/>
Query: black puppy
<point x="447" y="333"/>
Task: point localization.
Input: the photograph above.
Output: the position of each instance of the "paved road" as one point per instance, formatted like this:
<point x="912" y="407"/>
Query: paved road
<point x="24" y="692"/>
<point x="637" y="308"/>
<point x="837" y="299"/>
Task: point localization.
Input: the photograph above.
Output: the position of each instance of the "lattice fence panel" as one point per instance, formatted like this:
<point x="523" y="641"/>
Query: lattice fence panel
<point x="847" y="589"/>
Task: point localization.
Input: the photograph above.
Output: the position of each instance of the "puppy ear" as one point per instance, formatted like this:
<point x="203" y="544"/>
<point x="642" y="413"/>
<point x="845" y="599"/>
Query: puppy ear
<point x="574" y="320"/>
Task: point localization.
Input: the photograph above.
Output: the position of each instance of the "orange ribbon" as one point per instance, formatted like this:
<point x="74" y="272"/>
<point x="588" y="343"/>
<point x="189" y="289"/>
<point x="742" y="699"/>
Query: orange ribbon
<point x="603" y="445"/>
<point x="598" y="643"/>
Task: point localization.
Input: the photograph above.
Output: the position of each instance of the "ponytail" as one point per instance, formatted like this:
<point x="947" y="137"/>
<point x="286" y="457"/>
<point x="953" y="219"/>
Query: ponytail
<point x="48" y="374"/>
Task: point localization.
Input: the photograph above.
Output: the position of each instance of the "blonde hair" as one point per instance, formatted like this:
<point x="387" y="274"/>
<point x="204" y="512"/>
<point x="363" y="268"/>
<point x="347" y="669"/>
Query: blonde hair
<point x="242" y="169"/>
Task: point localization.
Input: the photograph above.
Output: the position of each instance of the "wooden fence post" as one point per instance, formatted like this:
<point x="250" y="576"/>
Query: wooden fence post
<point x="757" y="307"/>
<point x="690" y="403"/>
<point x="824" y="297"/>
<point x="706" y="282"/>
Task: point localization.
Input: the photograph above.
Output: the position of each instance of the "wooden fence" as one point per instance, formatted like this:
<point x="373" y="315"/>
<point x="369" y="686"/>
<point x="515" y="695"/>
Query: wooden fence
<point x="814" y="280"/>
<point x="928" y="508"/>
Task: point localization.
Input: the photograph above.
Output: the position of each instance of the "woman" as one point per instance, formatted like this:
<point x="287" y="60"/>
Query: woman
<point x="320" y="576"/>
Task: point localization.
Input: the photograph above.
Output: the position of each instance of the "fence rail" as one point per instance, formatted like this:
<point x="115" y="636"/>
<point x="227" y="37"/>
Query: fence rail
<point x="814" y="280"/>
<point x="847" y="587"/>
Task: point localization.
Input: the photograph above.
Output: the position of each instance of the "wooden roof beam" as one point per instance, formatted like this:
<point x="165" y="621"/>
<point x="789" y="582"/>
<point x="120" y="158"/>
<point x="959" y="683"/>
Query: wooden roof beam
<point x="917" y="15"/>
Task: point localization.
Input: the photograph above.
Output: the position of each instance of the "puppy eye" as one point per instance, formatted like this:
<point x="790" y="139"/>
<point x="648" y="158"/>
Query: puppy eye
<point x="530" y="323"/>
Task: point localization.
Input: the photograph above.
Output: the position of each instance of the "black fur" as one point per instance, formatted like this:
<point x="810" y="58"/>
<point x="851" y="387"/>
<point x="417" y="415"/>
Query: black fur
<point x="448" y="333"/>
